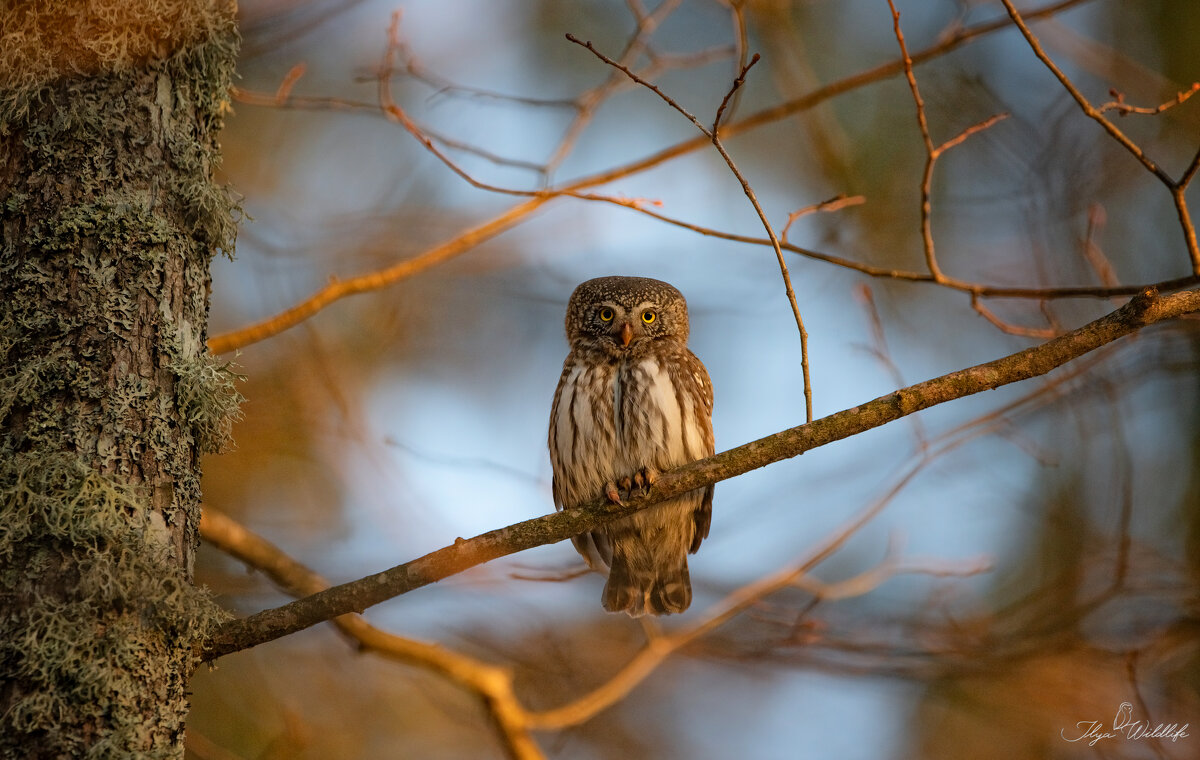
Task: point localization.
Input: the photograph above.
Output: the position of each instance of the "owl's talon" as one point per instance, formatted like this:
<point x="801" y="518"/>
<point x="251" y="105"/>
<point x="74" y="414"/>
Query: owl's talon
<point x="611" y="492"/>
<point x="644" y="478"/>
<point x="626" y="484"/>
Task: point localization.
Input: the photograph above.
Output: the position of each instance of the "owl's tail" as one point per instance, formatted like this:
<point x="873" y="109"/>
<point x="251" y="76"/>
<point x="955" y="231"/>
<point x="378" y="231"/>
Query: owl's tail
<point x="637" y="587"/>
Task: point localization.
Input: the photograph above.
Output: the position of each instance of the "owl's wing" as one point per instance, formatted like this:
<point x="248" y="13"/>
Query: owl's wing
<point x="703" y="512"/>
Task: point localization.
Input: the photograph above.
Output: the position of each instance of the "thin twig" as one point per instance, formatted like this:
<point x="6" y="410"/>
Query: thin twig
<point x="714" y="138"/>
<point x="836" y="203"/>
<point x="1011" y="329"/>
<point x="1124" y="109"/>
<point x="737" y="84"/>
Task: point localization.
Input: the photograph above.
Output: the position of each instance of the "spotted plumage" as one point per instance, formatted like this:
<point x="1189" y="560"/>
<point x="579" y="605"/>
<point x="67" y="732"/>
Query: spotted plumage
<point x="633" y="402"/>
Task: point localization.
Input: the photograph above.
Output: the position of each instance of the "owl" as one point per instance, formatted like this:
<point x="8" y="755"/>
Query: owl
<point x="633" y="402"/>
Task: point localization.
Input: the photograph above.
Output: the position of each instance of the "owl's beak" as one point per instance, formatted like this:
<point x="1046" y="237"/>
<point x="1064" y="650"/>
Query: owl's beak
<point x="626" y="334"/>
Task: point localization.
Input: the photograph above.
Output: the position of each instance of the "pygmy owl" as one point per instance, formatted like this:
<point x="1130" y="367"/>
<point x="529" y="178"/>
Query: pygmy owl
<point x="632" y="402"/>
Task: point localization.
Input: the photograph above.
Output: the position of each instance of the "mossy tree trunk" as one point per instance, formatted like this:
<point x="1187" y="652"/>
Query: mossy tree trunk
<point x="108" y="398"/>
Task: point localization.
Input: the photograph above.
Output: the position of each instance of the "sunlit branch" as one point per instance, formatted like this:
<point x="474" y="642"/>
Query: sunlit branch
<point x="1145" y="309"/>
<point x="1124" y="109"/>
<point x="1041" y="333"/>
<point x="337" y="289"/>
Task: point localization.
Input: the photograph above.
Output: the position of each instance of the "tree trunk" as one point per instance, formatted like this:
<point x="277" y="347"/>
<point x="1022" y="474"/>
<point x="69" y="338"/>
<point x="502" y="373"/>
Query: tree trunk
<point x="108" y="398"/>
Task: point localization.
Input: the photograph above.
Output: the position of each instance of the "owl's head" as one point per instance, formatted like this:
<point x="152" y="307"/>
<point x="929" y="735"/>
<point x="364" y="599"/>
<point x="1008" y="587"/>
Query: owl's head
<point x="620" y="314"/>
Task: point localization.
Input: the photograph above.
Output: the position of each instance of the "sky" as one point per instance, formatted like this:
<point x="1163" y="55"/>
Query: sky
<point x="424" y="406"/>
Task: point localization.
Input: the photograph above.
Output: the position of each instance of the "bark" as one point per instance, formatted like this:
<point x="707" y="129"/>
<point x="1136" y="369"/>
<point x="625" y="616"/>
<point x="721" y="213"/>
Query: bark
<point x="110" y="218"/>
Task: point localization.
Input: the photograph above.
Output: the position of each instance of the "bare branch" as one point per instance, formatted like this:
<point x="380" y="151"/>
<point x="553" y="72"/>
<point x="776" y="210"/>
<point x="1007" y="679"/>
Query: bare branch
<point x="714" y="137"/>
<point x="1145" y="309"/>
<point x="932" y="152"/>
<point x="338" y="289"/>
<point x="737" y="84"/>
<point x="1025" y="332"/>
<point x="1124" y="109"/>
<point x="493" y="684"/>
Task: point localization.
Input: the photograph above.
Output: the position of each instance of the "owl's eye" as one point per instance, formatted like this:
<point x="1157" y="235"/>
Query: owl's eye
<point x="606" y="315"/>
<point x="648" y="316"/>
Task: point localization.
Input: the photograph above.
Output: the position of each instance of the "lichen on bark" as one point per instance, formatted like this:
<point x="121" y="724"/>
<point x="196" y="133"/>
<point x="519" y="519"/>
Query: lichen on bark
<point x="110" y="217"/>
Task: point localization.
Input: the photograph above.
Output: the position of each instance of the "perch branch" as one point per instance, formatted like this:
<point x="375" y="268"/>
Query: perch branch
<point x="1145" y="309"/>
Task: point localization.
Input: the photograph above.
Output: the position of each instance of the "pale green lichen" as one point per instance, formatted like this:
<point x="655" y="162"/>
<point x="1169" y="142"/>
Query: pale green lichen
<point x="129" y="609"/>
<point x="207" y="394"/>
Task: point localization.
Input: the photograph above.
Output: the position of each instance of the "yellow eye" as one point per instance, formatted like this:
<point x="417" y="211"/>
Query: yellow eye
<point x="648" y="316"/>
<point x="606" y="315"/>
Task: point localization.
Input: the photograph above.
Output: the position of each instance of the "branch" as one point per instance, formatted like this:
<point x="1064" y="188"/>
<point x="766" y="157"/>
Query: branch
<point x="493" y="684"/>
<point x="338" y="289"/>
<point x="1145" y="309"/>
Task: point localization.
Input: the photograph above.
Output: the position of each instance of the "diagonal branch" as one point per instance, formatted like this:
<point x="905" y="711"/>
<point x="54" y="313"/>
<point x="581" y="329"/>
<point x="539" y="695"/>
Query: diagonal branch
<point x="1144" y="309"/>
<point x="492" y="683"/>
<point x="336" y="289"/>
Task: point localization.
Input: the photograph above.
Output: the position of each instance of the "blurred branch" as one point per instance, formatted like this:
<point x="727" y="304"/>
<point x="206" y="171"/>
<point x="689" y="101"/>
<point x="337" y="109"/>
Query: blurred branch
<point x="714" y="137"/>
<point x="493" y="684"/>
<point x="879" y="349"/>
<point x="338" y="289"/>
<point x="1177" y="188"/>
<point x="587" y="103"/>
<point x="662" y="646"/>
<point x="1145" y="309"/>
